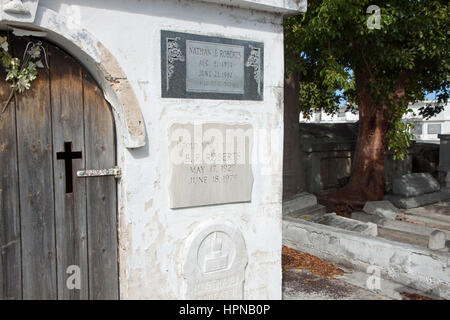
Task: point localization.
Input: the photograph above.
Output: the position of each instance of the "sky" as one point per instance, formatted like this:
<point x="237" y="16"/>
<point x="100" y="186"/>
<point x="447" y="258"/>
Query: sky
<point x="431" y="96"/>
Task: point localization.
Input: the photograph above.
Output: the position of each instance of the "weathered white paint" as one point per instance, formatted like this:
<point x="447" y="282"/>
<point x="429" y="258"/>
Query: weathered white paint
<point x="24" y="10"/>
<point x="151" y="235"/>
<point x="285" y="6"/>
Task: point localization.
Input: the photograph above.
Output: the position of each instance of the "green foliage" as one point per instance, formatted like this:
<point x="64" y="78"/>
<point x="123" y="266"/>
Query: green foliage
<point x="20" y="73"/>
<point x="339" y="58"/>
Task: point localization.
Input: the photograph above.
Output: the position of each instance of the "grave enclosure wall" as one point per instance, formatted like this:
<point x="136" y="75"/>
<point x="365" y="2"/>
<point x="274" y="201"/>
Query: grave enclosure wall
<point x="328" y="151"/>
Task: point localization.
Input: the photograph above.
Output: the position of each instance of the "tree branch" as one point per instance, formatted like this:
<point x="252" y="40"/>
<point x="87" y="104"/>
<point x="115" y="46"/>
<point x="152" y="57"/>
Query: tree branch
<point x="369" y="68"/>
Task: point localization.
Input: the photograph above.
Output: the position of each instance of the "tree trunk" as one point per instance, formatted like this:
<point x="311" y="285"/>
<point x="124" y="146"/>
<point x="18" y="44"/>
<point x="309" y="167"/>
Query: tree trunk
<point x="293" y="172"/>
<point x="367" y="182"/>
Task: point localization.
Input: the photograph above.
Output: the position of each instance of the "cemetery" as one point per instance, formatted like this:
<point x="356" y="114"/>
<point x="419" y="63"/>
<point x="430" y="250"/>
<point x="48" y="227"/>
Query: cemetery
<point x="362" y="194"/>
<point x="151" y="149"/>
<point x="406" y="235"/>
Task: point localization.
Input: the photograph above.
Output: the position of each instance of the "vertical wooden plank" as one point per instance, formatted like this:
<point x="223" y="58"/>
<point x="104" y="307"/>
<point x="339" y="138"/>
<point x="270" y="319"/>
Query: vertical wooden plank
<point x="70" y="208"/>
<point x="101" y="195"/>
<point x="34" y="136"/>
<point x="10" y="255"/>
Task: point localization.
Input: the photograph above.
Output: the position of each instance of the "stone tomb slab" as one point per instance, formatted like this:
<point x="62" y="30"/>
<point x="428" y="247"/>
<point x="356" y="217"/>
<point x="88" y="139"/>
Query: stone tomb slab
<point x="418" y="201"/>
<point x="300" y="201"/>
<point x="415" y="184"/>
<point x="210" y="163"/>
<point x="215" y="262"/>
<point x="384" y="209"/>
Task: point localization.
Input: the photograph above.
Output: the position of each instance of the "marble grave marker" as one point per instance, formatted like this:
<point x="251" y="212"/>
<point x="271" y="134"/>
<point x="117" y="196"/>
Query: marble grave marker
<point x="215" y="262"/>
<point x="209" y="163"/>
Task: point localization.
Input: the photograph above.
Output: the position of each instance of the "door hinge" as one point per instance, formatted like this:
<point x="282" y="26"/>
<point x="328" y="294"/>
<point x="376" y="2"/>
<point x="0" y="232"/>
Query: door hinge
<point x="116" y="172"/>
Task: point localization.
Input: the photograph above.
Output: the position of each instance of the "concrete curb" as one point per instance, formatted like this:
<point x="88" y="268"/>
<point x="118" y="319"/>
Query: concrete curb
<point x="412" y="266"/>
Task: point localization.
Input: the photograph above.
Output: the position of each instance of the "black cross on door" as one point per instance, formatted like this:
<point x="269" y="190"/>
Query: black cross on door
<point x="68" y="156"/>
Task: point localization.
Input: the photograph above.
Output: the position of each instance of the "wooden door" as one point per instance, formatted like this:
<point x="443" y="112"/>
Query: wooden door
<point x="58" y="233"/>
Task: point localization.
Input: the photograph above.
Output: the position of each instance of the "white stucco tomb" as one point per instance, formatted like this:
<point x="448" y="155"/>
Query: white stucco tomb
<point x="202" y="228"/>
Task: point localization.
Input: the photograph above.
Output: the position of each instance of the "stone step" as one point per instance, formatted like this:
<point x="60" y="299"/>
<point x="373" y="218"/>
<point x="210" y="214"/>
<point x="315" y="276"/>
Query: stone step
<point x="401" y="236"/>
<point x="418" y="201"/>
<point x="434" y="212"/>
<point x="429" y="222"/>
<point x="396" y="225"/>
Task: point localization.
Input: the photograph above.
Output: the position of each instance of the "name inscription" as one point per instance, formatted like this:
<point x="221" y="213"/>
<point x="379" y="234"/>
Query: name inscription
<point x="212" y="67"/>
<point x="210" y="163"/>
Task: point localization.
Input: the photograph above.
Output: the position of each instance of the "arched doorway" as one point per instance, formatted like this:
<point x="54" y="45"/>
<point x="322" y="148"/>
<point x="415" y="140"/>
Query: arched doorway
<point x="58" y="232"/>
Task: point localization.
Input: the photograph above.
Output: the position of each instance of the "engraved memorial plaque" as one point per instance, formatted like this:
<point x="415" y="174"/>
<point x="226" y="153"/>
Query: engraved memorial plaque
<point x="212" y="67"/>
<point x="210" y="163"/>
<point x="215" y="262"/>
<point x="203" y="67"/>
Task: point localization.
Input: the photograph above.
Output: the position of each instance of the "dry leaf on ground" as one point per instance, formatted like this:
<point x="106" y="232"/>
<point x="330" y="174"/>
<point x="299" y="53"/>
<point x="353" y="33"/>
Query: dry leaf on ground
<point x="300" y="260"/>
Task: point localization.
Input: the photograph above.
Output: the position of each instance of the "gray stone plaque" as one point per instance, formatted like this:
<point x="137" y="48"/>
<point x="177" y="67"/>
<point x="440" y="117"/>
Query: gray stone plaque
<point x="204" y="67"/>
<point x="215" y="258"/>
<point x="212" y="67"/>
<point x="210" y="163"/>
<point x="434" y="129"/>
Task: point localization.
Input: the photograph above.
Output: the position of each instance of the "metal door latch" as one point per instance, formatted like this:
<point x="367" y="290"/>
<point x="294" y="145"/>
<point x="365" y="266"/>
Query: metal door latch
<point x="116" y="172"/>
